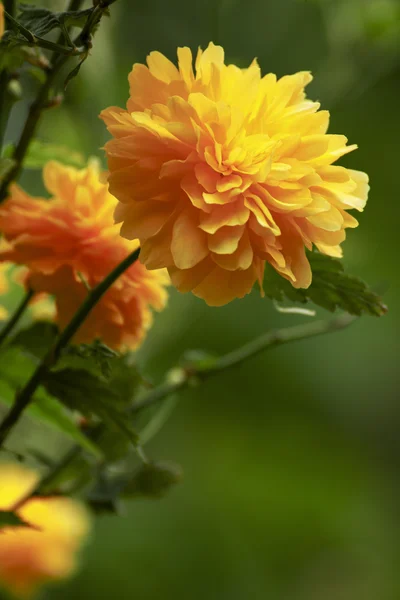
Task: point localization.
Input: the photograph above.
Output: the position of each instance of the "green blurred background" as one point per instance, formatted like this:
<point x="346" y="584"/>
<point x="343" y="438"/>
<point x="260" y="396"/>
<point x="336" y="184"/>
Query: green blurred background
<point x="292" y="461"/>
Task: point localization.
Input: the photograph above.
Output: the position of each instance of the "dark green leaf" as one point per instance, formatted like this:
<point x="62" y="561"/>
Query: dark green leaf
<point x="153" y="480"/>
<point x="96" y="358"/>
<point x="15" y="368"/>
<point x="41" y="21"/>
<point x="331" y="288"/>
<point x="10" y="519"/>
<point x="82" y="391"/>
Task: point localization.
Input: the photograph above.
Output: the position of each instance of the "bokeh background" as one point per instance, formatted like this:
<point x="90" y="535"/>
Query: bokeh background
<point x="292" y="461"/>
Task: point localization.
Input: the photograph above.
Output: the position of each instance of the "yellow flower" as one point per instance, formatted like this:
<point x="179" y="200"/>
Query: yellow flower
<point x="45" y="549"/>
<point x="70" y="241"/>
<point x="220" y="170"/>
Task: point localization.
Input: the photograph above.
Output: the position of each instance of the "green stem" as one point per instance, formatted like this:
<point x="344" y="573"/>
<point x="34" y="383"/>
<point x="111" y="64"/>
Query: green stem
<point x="16" y="316"/>
<point x="42" y="100"/>
<point x="276" y="338"/>
<point x="24" y="397"/>
<point x="181" y="379"/>
<point x="237" y="357"/>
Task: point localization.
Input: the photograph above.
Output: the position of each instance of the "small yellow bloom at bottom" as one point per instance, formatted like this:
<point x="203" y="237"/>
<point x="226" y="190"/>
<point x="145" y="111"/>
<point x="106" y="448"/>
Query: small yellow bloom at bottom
<point x="45" y="549"/>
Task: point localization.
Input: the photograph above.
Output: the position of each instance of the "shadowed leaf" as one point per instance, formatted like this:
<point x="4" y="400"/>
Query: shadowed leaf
<point x="331" y="288"/>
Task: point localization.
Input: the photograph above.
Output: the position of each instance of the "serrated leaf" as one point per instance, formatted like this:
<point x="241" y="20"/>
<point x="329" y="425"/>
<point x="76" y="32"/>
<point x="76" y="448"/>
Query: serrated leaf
<point x="41" y="21"/>
<point x="15" y="368"/>
<point x="82" y="391"/>
<point x="40" y="152"/>
<point x="331" y="288"/>
<point x="10" y="519"/>
<point x="96" y="358"/>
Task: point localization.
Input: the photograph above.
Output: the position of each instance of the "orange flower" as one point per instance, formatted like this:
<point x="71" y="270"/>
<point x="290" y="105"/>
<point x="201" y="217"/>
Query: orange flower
<point x="73" y="237"/>
<point x="44" y="550"/>
<point x="222" y="170"/>
<point x="1" y="19"/>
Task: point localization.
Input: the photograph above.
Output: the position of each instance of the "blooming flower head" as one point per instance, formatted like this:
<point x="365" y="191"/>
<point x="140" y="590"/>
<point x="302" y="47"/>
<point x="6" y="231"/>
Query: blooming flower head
<point x="221" y="170"/>
<point x="45" y="548"/>
<point x="70" y="242"/>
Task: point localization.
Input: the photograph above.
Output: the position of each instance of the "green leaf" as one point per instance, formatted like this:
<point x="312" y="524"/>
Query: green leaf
<point x="41" y="21"/>
<point x="82" y="391"/>
<point x="40" y="152"/>
<point x="97" y="358"/>
<point x="10" y="519"/>
<point x="15" y="368"/>
<point x="331" y="288"/>
<point x="153" y="480"/>
<point x="36" y="339"/>
<point x="6" y="165"/>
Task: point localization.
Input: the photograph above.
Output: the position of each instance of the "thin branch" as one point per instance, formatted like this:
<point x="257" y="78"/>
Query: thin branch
<point x="24" y="397"/>
<point x="42" y="100"/>
<point x="180" y="379"/>
<point x="237" y="357"/>
<point x="16" y="316"/>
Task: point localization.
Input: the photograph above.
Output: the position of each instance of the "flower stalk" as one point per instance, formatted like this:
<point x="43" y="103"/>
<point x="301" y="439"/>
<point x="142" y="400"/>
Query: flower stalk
<point x="268" y="340"/>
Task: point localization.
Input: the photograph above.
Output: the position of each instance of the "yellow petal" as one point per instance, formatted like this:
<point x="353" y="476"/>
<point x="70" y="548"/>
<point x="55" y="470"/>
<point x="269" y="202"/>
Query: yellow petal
<point x="189" y="242"/>
<point x="220" y="286"/>
<point x="161" y="67"/>
<point x="16" y="482"/>
<point x="225" y="240"/>
<point x="241" y="259"/>
<point x="234" y="213"/>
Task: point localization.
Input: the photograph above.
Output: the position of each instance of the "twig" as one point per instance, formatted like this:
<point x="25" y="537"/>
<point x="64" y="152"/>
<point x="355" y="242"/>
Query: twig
<point x="42" y="100"/>
<point x="264" y="342"/>
<point x="24" y="397"/>
<point x="179" y="379"/>
<point x="16" y="316"/>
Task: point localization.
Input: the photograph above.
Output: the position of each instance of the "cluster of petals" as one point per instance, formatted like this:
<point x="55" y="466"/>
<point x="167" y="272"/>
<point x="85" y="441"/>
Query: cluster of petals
<point x="70" y="243"/>
<point x="219" y="171"/>
<point x="44" y="547"/>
